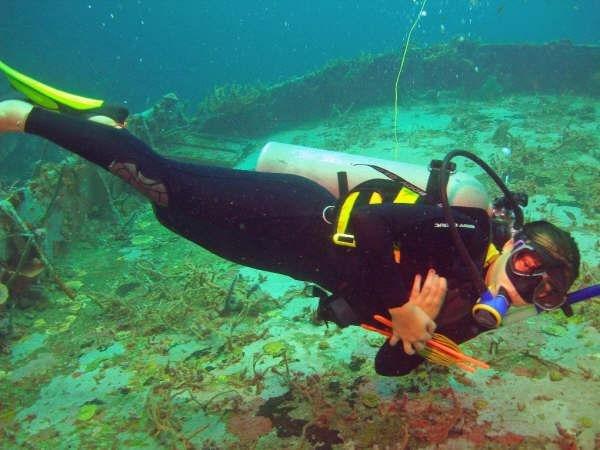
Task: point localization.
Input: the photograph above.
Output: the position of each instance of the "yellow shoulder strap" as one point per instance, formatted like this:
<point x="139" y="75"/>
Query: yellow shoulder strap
<point x="406" y="195"/>
<point x="375" y="199"/>
<point x="492" y="254"/>
<point x="341" y="237"/>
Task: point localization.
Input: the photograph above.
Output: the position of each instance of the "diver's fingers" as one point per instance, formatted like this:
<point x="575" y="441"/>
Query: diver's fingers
<point x="418" y="346"/>
<point x="394" y="340"/>
<point x="442" y="289"/>
<point x="430" y="282"/>
<point x="437" y="297"/>
<point x="408" y="348"/>
<point x="416" y="287"/>
<point x="443" y="284"/>
<point x="430" y="327"/>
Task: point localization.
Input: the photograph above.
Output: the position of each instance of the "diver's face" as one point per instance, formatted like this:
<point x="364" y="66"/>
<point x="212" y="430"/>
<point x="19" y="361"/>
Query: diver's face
<point x="496" y="277"/>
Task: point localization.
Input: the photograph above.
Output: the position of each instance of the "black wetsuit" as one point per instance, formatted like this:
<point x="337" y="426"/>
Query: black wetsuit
<point x="275" y="222"/>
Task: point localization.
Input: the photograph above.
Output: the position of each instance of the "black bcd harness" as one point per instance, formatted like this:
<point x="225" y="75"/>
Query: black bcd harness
<point x="395" y="189"/>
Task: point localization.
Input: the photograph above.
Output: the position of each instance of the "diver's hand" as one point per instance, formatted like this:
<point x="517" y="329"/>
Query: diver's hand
<point x="412" y="326"/>
<point x="431" y="296"/>
<point x="13" y="114"/>
<point x="413" y="322"/>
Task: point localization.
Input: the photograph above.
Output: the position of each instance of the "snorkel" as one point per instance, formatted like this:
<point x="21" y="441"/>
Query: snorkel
<point x="580" y="295"/>
<point x="491" y="308"/>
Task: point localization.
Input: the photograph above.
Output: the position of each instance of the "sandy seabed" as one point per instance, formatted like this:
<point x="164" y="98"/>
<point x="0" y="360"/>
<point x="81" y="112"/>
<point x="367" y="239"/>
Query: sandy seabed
<point x="168" y="346"/>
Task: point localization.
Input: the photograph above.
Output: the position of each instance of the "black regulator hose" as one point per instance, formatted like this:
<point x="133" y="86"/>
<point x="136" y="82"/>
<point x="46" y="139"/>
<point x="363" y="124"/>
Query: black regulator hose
<point x="460" y="245"/>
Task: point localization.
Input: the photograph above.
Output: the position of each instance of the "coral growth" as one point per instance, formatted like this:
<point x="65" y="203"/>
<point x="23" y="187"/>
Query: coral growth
<point x="231" y="99"/>
<point x="247" y="427"/>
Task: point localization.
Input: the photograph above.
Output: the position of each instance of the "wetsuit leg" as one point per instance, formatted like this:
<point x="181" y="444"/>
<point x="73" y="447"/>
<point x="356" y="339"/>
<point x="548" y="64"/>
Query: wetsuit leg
<point x="113" y="149"/>
<point x="264" y="220"/>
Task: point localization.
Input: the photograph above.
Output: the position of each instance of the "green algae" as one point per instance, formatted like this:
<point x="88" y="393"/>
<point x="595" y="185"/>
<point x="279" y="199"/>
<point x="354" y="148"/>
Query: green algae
<point x="370" y="399"/>
<point x="275" y="348"/>
<point x="87" y="412"/>
<point x="585" y="422"/>
<point x="324" y="345"/>
<point x="480" y="403"/>
<point x="142" y="240"/>
<point x="555" y="375"/>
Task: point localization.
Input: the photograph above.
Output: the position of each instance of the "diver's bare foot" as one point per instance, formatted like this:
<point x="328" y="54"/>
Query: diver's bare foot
<point x="13" y="114"/>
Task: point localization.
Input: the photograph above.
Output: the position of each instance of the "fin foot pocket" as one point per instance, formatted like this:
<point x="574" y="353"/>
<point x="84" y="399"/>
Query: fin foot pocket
<point x="56" y="100"/>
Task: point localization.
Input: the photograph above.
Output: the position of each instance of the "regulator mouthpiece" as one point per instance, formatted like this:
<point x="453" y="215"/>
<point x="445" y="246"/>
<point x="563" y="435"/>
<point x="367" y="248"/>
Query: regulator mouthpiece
<point x="490" y="309"/>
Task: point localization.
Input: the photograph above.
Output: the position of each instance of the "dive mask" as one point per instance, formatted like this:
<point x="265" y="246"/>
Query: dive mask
<point x="536" y="276"/>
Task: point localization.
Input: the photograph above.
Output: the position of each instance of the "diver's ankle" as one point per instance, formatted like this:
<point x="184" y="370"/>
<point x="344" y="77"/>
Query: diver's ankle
<point x="13" y="115"/>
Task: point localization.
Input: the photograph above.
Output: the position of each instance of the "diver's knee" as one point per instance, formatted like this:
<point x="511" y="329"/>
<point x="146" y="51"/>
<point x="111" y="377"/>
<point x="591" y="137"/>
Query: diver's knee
<point x="394" y="362"/>
<point x="396" y="370"/>
<point x="153" y="189"/>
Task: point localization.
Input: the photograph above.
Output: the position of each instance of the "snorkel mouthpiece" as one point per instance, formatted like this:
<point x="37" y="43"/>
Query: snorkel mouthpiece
<point x="489" y="309"/>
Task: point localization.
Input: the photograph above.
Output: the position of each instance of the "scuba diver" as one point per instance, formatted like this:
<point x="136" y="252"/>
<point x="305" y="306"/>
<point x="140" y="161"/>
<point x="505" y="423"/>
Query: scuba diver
<point x="384" y="247"/>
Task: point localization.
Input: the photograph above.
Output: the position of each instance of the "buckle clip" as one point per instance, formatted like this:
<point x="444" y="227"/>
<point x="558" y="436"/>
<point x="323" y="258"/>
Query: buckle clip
<point x="344" y="239"/>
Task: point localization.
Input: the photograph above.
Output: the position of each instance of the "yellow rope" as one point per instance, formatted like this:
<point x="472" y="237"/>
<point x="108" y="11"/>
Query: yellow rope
<point x="436" y="356"/>
<point x="398" y="77"/>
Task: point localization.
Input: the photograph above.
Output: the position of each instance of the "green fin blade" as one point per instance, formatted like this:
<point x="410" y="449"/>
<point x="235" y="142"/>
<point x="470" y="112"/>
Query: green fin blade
<point x="47" y="96"/>
<point x="33" y="95"/>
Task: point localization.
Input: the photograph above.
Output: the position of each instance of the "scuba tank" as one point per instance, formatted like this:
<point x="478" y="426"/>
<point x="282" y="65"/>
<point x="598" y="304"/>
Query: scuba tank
<point x="322" y="166"/>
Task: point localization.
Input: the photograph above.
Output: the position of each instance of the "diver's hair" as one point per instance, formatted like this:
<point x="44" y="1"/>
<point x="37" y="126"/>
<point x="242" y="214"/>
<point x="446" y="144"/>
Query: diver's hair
<point x="559" y="244"/>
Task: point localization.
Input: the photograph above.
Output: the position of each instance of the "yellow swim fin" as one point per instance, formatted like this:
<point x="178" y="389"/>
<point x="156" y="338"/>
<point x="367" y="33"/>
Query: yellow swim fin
<point x="54" y="99"/>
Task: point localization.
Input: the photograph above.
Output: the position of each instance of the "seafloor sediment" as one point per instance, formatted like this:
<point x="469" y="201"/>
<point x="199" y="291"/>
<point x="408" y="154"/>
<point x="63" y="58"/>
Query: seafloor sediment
<point x="167" y="346"/>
